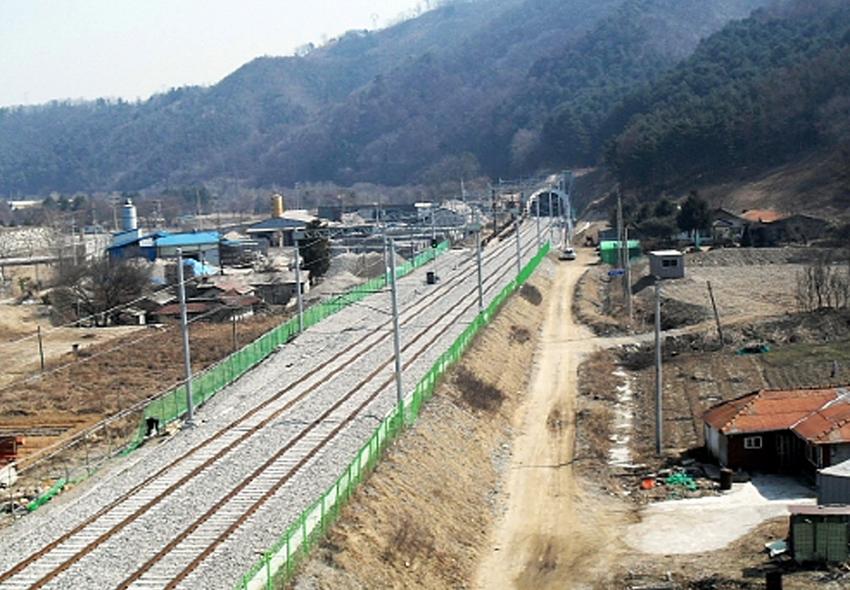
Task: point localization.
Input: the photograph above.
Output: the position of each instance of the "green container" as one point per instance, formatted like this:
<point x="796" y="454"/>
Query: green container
<point x="608" y="250"/>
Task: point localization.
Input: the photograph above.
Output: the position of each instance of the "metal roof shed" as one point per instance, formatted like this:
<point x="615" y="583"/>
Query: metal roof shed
<point x="667" y="264"/>
<point x="278" y="230"/>
<point x="610" y="250"/>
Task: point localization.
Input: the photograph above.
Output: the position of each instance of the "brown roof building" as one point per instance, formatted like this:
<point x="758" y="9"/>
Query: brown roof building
<point x="762" y="215"/>
<point x="769" y="430"/>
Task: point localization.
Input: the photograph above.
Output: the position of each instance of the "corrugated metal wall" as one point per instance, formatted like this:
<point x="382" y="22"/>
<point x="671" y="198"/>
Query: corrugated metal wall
<point x="833" y="489"/>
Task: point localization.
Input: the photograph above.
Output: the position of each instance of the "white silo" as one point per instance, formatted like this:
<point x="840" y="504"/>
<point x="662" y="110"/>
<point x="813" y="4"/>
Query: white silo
<point x="129" y="220"/>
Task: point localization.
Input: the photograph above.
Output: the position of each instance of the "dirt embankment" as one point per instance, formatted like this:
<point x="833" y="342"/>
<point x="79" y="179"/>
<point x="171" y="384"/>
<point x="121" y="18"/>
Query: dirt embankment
<point x="483" y="495"/>
<point x="423" y="517"/>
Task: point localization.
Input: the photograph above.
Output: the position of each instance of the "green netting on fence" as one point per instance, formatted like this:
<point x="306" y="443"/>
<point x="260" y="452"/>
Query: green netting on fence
<point x="172" y="404"/>
<point x="280" y="562"/>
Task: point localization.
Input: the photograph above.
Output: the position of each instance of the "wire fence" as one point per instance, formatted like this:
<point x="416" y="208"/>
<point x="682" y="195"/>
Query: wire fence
<point x="279" y="563"/>
<point x="77" y="457"/>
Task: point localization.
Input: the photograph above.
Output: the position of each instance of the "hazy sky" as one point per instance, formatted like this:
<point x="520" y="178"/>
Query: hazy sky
<point x="58" y="49"/>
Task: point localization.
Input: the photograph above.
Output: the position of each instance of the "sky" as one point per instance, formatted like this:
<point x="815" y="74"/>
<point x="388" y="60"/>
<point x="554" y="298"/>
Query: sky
<point x="131" y="49"/>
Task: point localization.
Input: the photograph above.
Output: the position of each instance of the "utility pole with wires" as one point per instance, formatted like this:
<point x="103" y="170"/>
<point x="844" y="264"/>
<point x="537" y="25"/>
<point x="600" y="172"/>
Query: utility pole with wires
<point x="493" y="210"/>
<point x="184" y="328"/>
<point x="658" y="416"/>
<point x="396" y="335"/>
<point x="518" y="245"/>
<point x="619" y="232"/>
<point x="477" y="228"/>
<point x="627" y="278"/>
<point x="298" y="288"/>
<point x="386" y="254"/>
<point x="550" y="215"/>
<point x="537" y="204"/>
<point x="623" y="257"/>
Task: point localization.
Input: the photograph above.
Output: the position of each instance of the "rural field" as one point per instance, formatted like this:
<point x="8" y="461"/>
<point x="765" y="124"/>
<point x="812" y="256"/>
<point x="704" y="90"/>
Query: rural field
<point x="110" y="370"/>
<point x="90" y="374"/>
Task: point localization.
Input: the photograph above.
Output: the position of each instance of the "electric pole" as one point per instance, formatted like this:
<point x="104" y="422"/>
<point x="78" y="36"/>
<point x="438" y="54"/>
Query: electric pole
<point x="184" y="328"/>
<point x="396" y="336"/>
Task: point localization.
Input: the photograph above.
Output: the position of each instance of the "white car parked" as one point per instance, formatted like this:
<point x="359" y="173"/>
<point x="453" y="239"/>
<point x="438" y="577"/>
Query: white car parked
<point x="567" y="254"/>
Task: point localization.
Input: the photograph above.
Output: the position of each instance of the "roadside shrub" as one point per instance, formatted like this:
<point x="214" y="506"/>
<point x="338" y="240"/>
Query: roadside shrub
<point x="531" y="294"/>
<point x="408" y="539"/>
<point x="476" y="393"/>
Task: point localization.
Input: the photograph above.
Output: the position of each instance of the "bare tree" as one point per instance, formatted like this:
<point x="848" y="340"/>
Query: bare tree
<point x="97" y="288"/>
<point x="820" y="285"/>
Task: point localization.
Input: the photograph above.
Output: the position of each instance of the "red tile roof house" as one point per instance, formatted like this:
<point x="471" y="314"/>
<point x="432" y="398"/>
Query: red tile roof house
<point x="799" y="430"/>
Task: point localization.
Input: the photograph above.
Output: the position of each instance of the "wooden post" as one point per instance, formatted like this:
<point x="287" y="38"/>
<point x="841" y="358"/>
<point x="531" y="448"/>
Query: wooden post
<point x="716" y="314"/>
<point x="40" y="348"/>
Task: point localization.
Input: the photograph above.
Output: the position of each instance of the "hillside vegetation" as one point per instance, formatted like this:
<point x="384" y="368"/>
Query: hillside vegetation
<point x="756" y="94"/>
<point x="666" y="95"/>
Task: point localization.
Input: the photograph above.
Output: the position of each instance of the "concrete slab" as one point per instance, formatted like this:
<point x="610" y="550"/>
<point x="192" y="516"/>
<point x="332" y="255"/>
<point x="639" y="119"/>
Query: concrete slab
<point x="706" y="524"/>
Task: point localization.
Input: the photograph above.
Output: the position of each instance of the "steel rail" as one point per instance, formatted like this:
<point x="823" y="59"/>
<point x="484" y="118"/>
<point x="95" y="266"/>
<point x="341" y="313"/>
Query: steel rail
<point x="179" y="577"/>
<point x="421" y="303"/>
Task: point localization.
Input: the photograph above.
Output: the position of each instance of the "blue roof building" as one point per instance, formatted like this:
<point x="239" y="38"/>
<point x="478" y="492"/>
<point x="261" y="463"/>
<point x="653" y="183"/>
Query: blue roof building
<point x="126" y="246"/>
<point x="201" y="246"/>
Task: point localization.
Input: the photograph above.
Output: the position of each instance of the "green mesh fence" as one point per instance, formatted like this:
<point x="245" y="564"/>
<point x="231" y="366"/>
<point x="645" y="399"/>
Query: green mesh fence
<point x="279" y="563"/>
<point x="171" y="404"/>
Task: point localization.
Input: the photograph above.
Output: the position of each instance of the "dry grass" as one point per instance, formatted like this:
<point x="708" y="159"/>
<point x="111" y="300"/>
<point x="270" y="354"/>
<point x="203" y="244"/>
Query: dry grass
<point x="596" y="376"/>
<point x="81" y="390"/>
<point x="594" y="417"/>
<point x="423" y="516"/>
<point x="598" y="304"/>
<point x="593" y="425"/>
<point x="531" y="294"/>
<point x="409" y="539"/>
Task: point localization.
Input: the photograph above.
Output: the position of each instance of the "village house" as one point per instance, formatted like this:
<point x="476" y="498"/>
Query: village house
<point x="797" y="431"/>
<point x="770" y="228"/>
<point x="726" y="226"/>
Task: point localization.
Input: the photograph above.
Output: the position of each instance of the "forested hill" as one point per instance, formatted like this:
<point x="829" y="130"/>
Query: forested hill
<point x="761" y="92"/>
<point x="499" y="86"/>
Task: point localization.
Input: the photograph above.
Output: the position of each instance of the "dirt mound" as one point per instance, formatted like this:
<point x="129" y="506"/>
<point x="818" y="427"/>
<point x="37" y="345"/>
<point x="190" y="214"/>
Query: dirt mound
<point x="678" y="314"/>
<point x="348" y="270"/>
<point x="365" y="266"/>
<point x="753" y="256"/>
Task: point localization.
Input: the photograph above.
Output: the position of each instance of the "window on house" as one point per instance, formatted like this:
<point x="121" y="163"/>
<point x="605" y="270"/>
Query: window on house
<point x="669" y="262"/>
<point x="752" y="442"/>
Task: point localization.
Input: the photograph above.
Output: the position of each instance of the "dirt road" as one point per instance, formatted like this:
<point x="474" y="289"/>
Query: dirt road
<point x="19" y="339"/>
<point x="553" y="534"/>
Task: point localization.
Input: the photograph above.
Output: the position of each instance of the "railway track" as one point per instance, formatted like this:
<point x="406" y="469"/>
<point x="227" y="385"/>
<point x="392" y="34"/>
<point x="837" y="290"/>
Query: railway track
<point x="238" y="474"/>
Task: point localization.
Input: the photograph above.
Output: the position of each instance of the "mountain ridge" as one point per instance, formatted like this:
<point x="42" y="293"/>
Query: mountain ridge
<point x="494" y="88"/>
